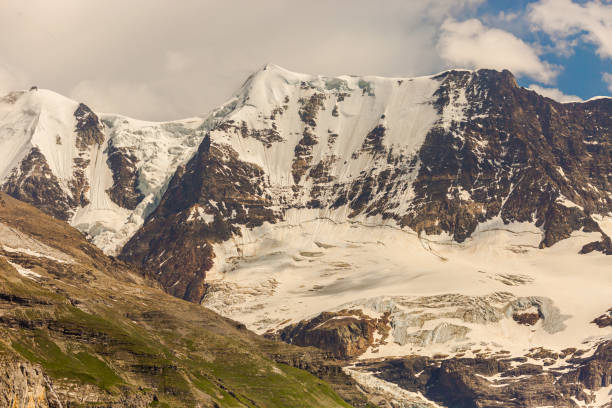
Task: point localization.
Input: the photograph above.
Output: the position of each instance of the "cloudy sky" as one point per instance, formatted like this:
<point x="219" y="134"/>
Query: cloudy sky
<point x="168" y="59"/>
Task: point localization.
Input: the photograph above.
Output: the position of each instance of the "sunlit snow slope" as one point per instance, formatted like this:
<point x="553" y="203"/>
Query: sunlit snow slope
<point x="49" y="161"/>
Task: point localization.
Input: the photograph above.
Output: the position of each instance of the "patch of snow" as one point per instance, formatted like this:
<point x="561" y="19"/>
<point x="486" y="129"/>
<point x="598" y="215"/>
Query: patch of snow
<point x="12" y="240"/>
<point x="32" y="253"/>
<point x="198" y="213"/>
<point x="564" y="201"/>
<point x="26" y="273"/>
<point x="377" y="386"/>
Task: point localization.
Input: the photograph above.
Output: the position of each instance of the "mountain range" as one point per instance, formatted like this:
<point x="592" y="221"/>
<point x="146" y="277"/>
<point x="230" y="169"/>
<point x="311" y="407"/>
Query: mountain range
<point x="444" y="239"/>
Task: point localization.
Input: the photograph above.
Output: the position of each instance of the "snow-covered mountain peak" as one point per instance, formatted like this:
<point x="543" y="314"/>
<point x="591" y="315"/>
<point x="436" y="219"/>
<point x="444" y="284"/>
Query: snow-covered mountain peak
<point x="272" y="73"/>
<point x="271" y="84"/>
<point x="37" y="99"/>
<point x="102" y="174"/>
<point x="39" y="119"/>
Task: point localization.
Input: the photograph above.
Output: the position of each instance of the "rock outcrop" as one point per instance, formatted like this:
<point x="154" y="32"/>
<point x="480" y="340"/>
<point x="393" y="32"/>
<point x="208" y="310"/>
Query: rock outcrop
<point x="500" y="381"/>
<point x="605" y="320"/>
<point x="346" y="333"/>
<point x="23" y="385"/>
<point x="35" y="183"/>
<point x="125" y="191"/>
<point x="206" y="202"/>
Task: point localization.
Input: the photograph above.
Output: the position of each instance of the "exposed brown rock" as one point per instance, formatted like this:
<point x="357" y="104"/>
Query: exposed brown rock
<point x="310" y="108"/>
<point x="373" y="142"/>
<point x="266" y="136"/>
<point x="206" y="202"/>
<point x="88" y="128"/>
<point x="603" y="246"/>
<point x="303" y="155"/>
<point x="345" y="334"/>
<point x="23" y="385"/>
<point x="465" y="382"/>
<point x="528" y="319"/>
<point x="535" y="151"/>
<point x="34" y="183"/>
<point x="88" y="134"/>
<point x="604" y="320"/>
<point x="124" y="192"/>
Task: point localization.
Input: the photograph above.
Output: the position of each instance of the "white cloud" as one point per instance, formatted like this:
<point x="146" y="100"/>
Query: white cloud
<point x="137" y="98"/>
<point x="554" y="93"/>
<point x="607" y="78"/>
<point x="194" y="54"/>
<point x="472" y="45"/>
<point x="176" y="61"/>
<point x="10" y="79"/>
<point x="564" y="19"/>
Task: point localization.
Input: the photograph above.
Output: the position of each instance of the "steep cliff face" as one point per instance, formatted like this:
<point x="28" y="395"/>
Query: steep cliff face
<point x="206" y="203"/>
<point x="512" y="154"/>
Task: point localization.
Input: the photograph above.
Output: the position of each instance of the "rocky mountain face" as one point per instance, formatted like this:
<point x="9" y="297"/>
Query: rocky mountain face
<point x="24" y="385"/>
<point x="516" y="155"/>
<point x="175" y="245"/>
<point x="346" y="333"/>
<point x="503" y="380"/>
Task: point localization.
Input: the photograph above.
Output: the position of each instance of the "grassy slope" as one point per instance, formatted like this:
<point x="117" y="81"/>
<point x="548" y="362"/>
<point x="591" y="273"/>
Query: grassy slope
<point x="96" y="323"/>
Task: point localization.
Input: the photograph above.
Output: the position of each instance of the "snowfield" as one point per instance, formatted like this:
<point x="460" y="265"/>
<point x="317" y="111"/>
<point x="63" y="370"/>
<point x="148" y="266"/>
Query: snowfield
<point x="280" y="274"/>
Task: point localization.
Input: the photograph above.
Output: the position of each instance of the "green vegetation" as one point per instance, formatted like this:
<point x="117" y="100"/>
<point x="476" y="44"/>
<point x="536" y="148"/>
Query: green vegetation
<point x="177" y="362"/>
<point x="94" y="322"/>
<point x="80" y="366"/>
